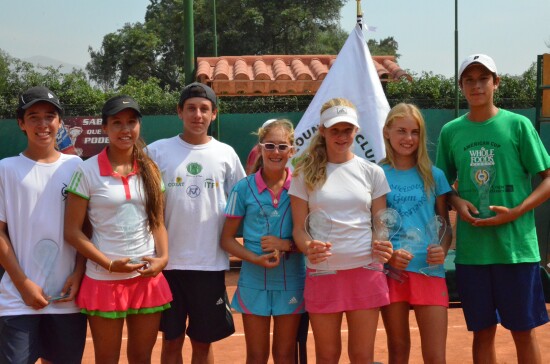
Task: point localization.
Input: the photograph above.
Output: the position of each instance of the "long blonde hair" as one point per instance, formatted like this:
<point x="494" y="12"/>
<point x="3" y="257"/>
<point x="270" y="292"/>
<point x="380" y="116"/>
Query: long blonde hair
<point x="423" y="162"/>
<point x="264" y="130"/>
<point x="313" y="163"/>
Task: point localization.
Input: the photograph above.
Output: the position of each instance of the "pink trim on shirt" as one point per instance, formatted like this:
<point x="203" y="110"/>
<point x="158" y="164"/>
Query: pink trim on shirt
<point x="262" y="186"/>
<point x="105" y="169"/>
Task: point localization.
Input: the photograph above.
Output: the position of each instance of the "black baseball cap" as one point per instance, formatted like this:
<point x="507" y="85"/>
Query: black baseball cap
<point x="197" y="89"/>
<point x="38" y="94"/>
<point x="118" y="103"/>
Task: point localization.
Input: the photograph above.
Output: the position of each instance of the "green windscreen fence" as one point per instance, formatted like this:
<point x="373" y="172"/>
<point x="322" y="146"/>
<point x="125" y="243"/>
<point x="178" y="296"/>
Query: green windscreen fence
<point x="237" y="129"/>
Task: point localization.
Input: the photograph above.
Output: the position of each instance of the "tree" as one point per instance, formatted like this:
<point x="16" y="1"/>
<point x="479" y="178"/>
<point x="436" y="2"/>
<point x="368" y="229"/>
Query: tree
<point x="271" y="27"/>
<point x="155" y="48"/>
<point x="518" y="92"/>
<point x="427" y="91"/>
<point x="151" y="97"/>
<point x="131" y="51"/>
<point x="73" y="89"/>
<point x="384" y="47"/>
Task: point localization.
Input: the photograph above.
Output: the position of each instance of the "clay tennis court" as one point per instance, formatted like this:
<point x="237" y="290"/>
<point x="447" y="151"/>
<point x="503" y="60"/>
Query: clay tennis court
<point x="232" y="349"/>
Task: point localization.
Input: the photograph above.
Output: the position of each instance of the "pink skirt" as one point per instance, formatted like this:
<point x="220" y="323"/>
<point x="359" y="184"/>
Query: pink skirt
<point x="118" y="298"/>
<point x="419" y="289"/>
<point x="347" y="290"/>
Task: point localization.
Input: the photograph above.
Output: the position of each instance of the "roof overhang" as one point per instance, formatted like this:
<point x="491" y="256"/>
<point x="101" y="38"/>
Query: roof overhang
<point x="278" y="74"/>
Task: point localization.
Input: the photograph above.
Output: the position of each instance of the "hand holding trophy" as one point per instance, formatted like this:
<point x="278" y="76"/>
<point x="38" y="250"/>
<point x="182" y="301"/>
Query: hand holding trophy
<point x="318" y="226"/>
<point x="412" y="241"/>
<point x="435" y="231"/>
<point x="386" y="223"/>
<point x="483" y="178"/>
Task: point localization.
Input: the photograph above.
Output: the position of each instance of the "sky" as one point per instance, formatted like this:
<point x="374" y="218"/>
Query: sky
<point x="512" y="32"/>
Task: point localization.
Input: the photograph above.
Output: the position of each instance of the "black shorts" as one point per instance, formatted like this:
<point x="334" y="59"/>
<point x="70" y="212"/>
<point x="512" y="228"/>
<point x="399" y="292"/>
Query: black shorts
<point x="59" y="338"/>
<point x="200" y="296"/>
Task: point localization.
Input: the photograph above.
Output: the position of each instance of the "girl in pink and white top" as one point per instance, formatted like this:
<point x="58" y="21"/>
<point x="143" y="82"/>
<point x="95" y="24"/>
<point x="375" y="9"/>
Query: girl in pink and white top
<point x="120" y="190"/>
<point x="350" y="190"/>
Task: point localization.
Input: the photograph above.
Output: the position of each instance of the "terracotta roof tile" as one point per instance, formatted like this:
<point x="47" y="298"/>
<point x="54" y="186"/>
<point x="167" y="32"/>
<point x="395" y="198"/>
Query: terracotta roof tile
<point x="278" y="74"/>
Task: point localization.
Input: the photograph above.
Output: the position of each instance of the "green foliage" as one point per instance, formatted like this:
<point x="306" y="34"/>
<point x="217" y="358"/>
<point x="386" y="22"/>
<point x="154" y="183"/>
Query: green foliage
<point x="430" y="91"/>
<point x="73" y="89"/>
<point x="270" y="27"/>
<point x="264" y="104"/>
<point x="518" y="92"/>
<point x="151" y="97"/>
<point x="78" y="96"/>
<point x="156" y="47"/>
<point x="131" y="51"/>
<point x="384" y="47"/>
<point x="427" y="91"/>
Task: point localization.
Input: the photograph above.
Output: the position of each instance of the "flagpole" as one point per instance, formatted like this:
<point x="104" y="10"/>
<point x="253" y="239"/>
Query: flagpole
<point x="359" y="14"/>
<point x="456" y="60"/>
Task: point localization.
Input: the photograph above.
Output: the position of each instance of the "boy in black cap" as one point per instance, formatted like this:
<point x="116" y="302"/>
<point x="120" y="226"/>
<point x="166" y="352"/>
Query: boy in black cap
<point x="493" y="153"/>
<point x="199" y="173"/>
<point x="38" y="316"/>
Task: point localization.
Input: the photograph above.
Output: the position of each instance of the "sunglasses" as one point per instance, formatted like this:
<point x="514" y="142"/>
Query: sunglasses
<point x="280" y="147"/>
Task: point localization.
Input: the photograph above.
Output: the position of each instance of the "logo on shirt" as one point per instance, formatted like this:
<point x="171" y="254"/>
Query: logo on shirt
<point x="178" y="183"/>
<point x="194" y="168"/>
<point x="193" y="191"/>
<point x="482" y="157"/>
<point x="64" y="192"/>
<point x="210" y="183"/>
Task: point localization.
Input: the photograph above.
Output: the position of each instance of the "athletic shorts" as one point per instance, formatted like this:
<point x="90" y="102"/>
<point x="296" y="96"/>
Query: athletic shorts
<point x="201" y="297"/>
<point x="268" y="302"/>
<point x="419" y="289"/>
<point x="59" y="338"/>
<point x="347" y="290"/>
<point x="510" y="294"/>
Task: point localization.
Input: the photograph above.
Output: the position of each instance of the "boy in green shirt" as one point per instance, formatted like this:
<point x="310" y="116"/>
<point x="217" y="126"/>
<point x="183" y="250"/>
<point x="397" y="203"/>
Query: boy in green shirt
<point x="492" y="153"/>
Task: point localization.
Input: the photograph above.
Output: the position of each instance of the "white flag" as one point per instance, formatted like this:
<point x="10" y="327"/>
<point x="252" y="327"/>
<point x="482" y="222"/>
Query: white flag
<point x="354" y="77"/>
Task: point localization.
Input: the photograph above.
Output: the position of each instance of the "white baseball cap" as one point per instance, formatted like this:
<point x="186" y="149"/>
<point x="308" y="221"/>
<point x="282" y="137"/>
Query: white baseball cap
<point x="482" y="59"/>
<point x="339" y="114"/>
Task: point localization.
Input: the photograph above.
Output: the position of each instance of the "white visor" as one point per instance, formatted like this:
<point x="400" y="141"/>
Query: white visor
<point x="339" y="114"/>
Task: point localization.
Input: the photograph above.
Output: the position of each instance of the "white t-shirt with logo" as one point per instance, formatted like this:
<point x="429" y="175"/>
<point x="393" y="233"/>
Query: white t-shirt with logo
<point x="346" y="197"/>
<point x="116" y="210"/>
<point x="32" y="204"/>
<point x="198" y="179"/>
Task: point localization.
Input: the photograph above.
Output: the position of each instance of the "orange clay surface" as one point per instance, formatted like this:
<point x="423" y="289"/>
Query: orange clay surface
<point x="232" y="349"/>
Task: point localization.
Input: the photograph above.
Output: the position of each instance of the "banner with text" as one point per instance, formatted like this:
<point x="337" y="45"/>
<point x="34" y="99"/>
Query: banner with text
<point x="82" y="136"/>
